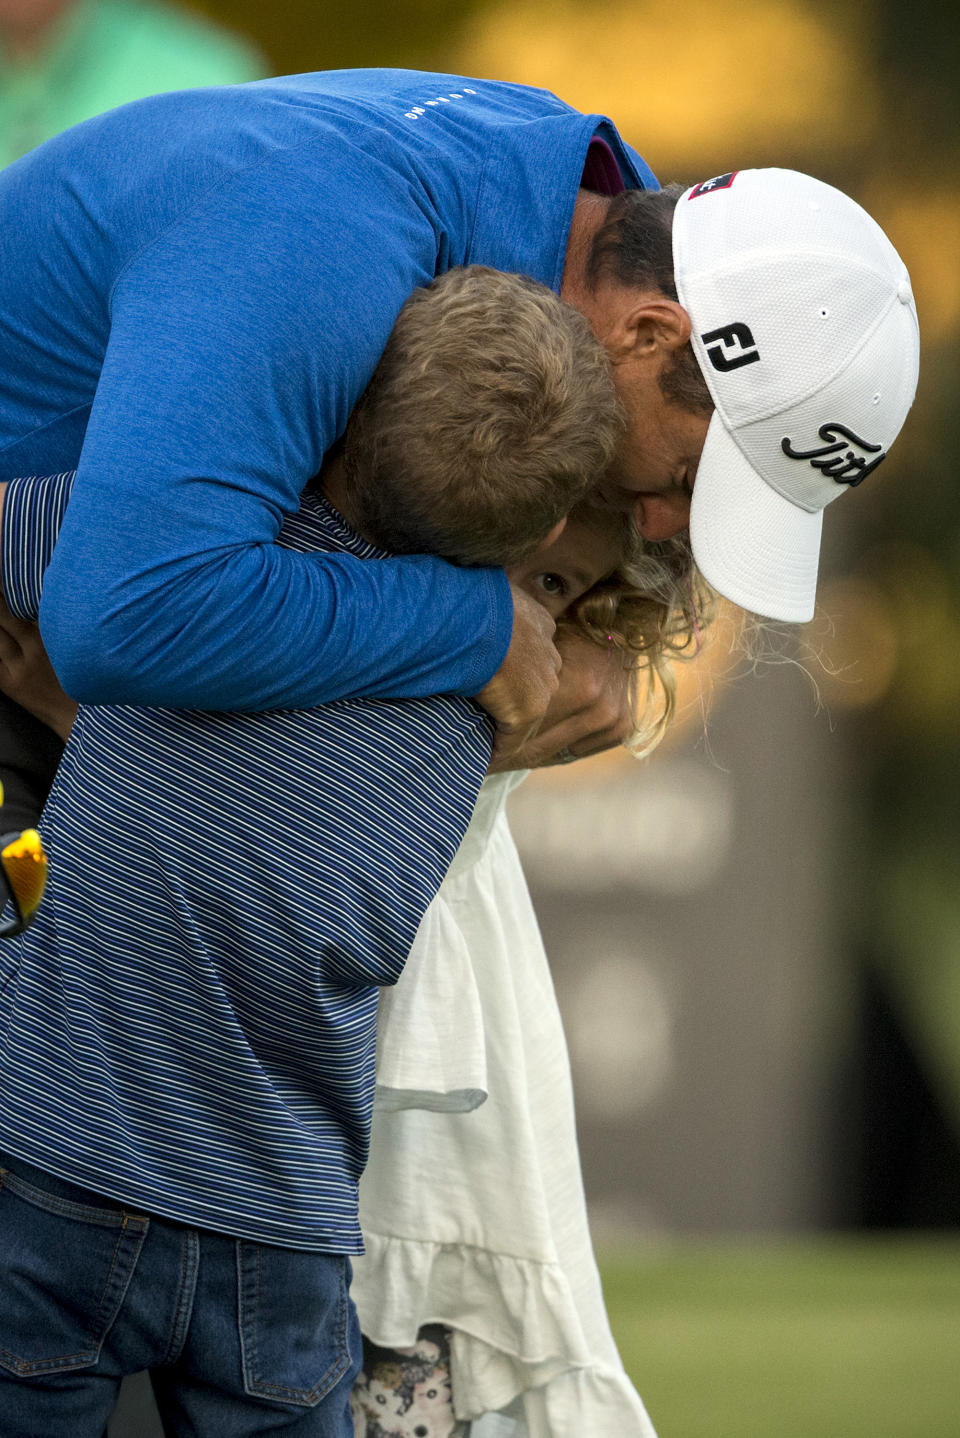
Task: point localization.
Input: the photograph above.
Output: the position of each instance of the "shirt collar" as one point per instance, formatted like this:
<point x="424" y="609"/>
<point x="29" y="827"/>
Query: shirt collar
<point x="528" y="190"/>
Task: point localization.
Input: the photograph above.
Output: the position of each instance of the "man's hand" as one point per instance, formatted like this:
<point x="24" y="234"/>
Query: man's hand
<point x="517" y="696"/>
<point x="589" y="713"/>
<point x="27" y="677"/>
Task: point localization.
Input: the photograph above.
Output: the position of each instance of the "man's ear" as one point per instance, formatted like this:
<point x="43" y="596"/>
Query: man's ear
<point x="645" y="329"/>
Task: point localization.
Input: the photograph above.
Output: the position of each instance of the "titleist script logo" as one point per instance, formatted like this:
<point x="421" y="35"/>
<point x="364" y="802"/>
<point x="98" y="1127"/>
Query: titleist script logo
<point x="838" y="456"/>
<point x="730" y="347"/>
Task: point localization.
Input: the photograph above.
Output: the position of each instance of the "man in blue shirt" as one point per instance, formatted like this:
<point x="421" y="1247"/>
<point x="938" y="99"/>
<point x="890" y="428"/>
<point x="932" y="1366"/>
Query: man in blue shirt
<point x="194" y="291"/>
<point x="203" y="284"/>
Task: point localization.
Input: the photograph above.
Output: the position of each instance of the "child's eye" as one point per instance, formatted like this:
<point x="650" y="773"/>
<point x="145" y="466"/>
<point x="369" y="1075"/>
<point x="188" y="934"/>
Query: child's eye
<point x="552" y="584"/>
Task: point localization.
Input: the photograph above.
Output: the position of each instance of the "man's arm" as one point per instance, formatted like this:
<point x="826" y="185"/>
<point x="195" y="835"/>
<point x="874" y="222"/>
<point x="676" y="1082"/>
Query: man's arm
<point x="33" y="511"/>
<point x="590" y="711"/>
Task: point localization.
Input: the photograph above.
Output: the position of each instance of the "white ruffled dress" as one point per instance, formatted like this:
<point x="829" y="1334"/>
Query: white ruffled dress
<point x="472" y="1203"/>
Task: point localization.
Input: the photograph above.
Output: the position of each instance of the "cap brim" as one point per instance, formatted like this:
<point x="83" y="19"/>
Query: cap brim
<point x="752" y="545"/>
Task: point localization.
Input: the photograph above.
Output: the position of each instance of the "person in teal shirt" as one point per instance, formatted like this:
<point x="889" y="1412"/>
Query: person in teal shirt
<point x="62" y="61"/>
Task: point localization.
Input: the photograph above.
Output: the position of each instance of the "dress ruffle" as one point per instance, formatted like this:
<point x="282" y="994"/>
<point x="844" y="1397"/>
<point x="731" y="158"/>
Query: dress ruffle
<point x="589" y="1402"/>
<point x="518" y="1350"/>
<point x="514" y="1305"/>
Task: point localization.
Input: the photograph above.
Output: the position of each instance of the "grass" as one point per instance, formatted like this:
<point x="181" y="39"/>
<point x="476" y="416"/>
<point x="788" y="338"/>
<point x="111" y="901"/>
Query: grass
<point x="829" y="1338"/>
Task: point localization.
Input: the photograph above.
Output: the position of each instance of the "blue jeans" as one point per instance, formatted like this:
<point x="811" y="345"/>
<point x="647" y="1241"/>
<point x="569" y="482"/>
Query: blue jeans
<point x="241" y="1339"/>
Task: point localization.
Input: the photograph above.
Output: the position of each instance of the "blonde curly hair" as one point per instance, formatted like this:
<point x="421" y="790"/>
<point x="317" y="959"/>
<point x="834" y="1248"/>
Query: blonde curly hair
<point x="654" y="608"/>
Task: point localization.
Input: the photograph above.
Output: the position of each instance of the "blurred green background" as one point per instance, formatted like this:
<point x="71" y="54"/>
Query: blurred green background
<point x="784" y="933"/>
<point x="851" y="1338"/>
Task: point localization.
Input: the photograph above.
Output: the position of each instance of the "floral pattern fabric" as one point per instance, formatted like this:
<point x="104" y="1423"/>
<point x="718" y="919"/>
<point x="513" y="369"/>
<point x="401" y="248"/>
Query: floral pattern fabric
<point x="406" y="1393"/>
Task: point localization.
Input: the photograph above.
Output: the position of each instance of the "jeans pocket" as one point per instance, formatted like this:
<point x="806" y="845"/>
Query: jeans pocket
<point x="65" y="1269"/>
<point x="294" y="1322"/>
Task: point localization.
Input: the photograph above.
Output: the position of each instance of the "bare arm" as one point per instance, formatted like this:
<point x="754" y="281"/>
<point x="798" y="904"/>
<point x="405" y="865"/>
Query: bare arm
<point x="27" y="677"/>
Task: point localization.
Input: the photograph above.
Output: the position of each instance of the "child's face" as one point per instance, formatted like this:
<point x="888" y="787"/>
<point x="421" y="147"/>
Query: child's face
<point x="558" y="573"/>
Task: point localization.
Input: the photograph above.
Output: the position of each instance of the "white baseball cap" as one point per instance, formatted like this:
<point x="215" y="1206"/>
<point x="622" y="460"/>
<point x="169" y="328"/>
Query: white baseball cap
<point x="805" y="328"/>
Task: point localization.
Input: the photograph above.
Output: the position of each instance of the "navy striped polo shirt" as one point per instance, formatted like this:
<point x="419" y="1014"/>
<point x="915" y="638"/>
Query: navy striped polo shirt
<point x="189" y="1026"/>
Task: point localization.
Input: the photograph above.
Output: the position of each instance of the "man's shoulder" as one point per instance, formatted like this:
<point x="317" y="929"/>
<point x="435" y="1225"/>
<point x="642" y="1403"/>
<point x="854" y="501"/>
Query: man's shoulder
<point x="434" y="89"/>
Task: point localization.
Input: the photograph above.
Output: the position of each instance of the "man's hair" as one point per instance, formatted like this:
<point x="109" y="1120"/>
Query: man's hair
<point x="634" y="248"/>
<point x="491" y="412"/>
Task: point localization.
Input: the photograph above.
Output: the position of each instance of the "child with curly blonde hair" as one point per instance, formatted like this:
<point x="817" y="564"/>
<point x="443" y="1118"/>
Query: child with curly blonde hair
<point x="478" y="1260"/>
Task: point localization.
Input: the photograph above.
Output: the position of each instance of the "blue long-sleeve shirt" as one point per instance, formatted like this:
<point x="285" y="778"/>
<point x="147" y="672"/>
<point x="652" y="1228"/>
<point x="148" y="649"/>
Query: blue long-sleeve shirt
<point x="194" y="292"/>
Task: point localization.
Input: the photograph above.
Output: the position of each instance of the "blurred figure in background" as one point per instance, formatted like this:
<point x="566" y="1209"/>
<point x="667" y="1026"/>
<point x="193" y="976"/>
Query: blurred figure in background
<point x="62" y="61"/>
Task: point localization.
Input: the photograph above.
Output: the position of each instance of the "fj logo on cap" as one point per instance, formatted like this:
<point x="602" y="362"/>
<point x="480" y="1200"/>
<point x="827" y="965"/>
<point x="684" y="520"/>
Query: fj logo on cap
<point x="730" y="347"/>
<point x="837" y="456"/>
<point x="719" y="182"/>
